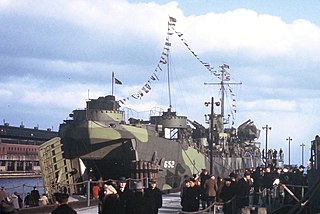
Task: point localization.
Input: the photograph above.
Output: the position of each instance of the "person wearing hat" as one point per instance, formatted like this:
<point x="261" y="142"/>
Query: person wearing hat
<point x="192" y="196"/>
<point x="299" y="180"/>
<point x="125" y="196"/>
<point x="140" y="203"/>
<point x="257" y="177"/>
<point x="267" y="183"/>
<point x="35" y="196"/>
<point x="242" y="191"/>
<point x="62" y="203"/>
<point x="233" y="177"/>
<point x="204" y="175"/>
<point x="154" y="196"/>
<point x="184" y="196"/>
<point x="226" y="195"/>
<point x="111" y="201"/>
<point x="211" y="189"/>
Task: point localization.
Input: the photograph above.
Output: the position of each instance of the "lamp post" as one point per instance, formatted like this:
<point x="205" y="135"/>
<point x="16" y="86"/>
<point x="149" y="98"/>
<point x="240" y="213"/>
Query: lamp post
<point x="289" y="139"/>
<point x="302" y="153"/>
<point x="266" y="151"/>
<point x="213" y="131"/>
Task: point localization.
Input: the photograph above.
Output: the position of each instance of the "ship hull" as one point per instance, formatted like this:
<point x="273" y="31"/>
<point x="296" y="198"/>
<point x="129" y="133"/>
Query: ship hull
<point x="138" y="153"/>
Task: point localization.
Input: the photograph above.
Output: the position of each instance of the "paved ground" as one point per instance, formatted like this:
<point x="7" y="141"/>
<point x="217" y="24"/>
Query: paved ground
<point x="171" y="204"/>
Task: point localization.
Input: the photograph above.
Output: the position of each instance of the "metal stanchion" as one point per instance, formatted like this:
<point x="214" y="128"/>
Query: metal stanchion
<point x="88" y="193"/>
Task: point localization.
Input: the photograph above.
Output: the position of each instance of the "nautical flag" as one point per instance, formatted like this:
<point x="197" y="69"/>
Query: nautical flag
<point x="171" y="19"/>
<point x="226" y="66"/>
<point x="147" y="86"/>
<point x="116" y="81"/>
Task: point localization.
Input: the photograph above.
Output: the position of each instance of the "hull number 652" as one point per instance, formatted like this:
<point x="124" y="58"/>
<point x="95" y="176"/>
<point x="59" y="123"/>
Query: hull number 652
<point x="169" y="164"/>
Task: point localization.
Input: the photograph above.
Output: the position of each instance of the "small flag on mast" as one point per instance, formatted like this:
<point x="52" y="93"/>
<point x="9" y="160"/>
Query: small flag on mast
<point x="172" y="19"/>
<point x="116" y="81"/>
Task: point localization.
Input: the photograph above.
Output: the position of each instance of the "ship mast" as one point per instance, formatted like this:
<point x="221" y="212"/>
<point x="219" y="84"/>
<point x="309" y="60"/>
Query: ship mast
<point x="222" y="88"/>
<point x="222" y="92"/>
<point x="168" y="80"/>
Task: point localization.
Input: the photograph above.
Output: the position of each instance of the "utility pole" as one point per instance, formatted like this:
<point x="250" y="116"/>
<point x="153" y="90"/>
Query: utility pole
<point x="266" y="149"/>
<point x="289" y="139"/>
<point x="302" y="153"/>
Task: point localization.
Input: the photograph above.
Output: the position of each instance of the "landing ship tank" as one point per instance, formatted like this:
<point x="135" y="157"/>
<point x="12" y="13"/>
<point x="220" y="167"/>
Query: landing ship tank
<point x="167" y="147"/>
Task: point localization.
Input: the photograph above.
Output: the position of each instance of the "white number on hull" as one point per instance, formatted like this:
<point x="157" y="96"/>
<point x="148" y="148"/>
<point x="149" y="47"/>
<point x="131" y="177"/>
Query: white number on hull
<point x="169" y="164"/>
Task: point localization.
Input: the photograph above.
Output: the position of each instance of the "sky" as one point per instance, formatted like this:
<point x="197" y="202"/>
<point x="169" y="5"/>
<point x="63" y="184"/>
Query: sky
<point x="55" y="55"/>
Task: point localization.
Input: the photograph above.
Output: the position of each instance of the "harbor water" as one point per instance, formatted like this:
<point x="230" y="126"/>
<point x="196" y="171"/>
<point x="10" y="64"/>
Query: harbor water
<point x="21" y="185"/>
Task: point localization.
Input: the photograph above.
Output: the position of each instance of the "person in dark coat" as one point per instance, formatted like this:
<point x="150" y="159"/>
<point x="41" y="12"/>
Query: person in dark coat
<point x="141" y="204"/>
<point x="194" y="195"/>
<point x="226" y="195"/>
<point x="111" y="201"/>
<point x="268" y="179"/>
<point x="243" y="191"/>
<point x="27" y="200"/>
<point x="299" y="180"/>
<point x="154" y="196"/>
<point x="126" y="197"/>
<point x="184" y="196"/>
<point x="204" y="175"/>
<point x="286" y="178"/>
<point x="35" y="196"/>
<point x="257" y="176"/>
<point x="62" y="202"/>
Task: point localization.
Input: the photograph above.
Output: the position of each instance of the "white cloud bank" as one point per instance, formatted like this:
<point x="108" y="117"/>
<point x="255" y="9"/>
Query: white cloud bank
<point x="52" y="52"/>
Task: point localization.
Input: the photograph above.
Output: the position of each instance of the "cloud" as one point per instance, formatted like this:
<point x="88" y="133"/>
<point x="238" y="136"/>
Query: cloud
<point x="53" y="52"/>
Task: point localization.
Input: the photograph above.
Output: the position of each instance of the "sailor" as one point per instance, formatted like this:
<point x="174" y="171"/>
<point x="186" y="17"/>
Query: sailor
<point x="62" y="202"/>
<point x="125" y="196"/>
<point x="154" y="196"/>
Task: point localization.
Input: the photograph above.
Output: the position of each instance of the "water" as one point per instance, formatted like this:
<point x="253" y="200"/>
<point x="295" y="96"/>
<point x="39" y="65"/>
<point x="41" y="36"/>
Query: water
<point x="21" y="185"/>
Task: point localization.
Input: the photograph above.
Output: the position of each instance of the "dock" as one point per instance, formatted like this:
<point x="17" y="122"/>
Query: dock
<point x="171" y="204"/>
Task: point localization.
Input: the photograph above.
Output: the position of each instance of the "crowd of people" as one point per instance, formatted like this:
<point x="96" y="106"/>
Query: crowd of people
<point x="14" y="202"/>
<point x="256" y="187"/>
<point x="116" y="197"/>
